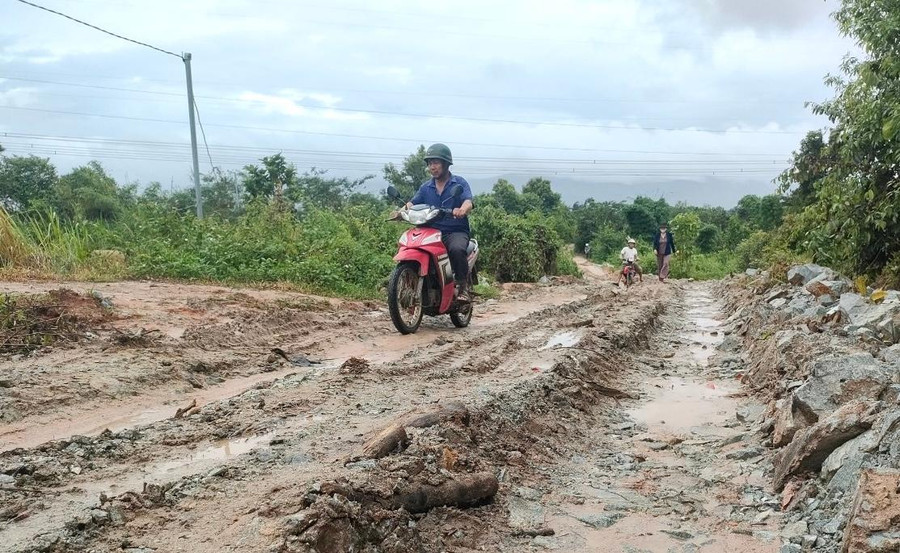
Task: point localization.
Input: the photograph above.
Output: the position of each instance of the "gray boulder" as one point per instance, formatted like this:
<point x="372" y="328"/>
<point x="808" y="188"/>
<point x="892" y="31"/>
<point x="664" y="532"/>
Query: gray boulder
<point x="819" y="287"/>
<point x="837" y="380"/>
<point x="788" y="421"/>
<point x="801" y="274"/>
<point x="882" y="319"/>
<point x="842" y="469"/>
<point x="812" y="446"/>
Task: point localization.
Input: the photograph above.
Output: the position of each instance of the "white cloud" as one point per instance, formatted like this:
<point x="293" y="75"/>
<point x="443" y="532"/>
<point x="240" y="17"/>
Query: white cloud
<point x="287" y="104"/>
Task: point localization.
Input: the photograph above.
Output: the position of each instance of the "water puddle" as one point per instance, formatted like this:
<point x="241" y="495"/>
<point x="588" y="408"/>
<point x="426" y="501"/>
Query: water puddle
<point x="220" y="450"/>
<point x="680" y="405"/>
<point x="562" y="339"/>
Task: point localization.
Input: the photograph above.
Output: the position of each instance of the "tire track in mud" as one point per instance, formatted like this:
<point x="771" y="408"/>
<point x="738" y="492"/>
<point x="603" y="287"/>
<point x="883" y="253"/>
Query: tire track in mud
<point x="307" y="422"/>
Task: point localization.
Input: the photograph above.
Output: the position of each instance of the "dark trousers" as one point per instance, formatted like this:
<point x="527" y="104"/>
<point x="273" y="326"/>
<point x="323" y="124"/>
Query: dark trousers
<point x="456" y="244"/>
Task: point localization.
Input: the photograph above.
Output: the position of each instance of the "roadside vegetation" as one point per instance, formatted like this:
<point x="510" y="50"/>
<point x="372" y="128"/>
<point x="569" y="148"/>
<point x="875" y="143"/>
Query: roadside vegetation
<point x="269" y="223"/>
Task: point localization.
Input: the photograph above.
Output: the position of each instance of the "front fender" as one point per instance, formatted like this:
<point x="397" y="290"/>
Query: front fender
<point x="418" y="256"/>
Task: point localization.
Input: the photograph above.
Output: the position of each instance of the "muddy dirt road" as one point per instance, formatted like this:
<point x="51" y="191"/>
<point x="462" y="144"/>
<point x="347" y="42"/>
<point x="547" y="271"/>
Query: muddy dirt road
<point x="572" y="416"/>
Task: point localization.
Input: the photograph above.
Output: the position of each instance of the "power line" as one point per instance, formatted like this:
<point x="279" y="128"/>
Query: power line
<point x="203" y="133"/>
<point x="429" y="94"/>
<point x="99" y="29"/>
<point x="233" y="150"/>
<point x="448" y="117"/>
<point x="416" y="140"/>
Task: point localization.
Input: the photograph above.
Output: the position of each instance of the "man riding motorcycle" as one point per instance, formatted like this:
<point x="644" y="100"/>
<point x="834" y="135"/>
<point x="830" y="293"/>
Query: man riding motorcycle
<point x="454" y="231"/>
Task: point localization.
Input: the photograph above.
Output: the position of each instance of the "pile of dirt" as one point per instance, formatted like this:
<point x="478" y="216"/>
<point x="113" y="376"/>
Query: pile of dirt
<point x="28" y="322"/>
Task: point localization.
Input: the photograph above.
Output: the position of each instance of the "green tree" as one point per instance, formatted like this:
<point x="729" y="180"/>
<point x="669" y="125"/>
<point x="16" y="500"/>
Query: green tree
<point x="686" y="230"/>
<point x="546" y="199"/>
<point x="708" y="238"/>
<point x="25" y="181"/>
<point x="642" y="224"/>
<point x="809" y="166"/>
<point x="660" y="208"/>
<point x="87" y="193"/>
<point x="771" y="211"/>
<point x="507" y="197"/>
<point x="748" y="209"/>
<point x="274" y="176"/>
<point x="314" y="189"/>
<point x="410" y="175"/>
<point x="854" y="222"/>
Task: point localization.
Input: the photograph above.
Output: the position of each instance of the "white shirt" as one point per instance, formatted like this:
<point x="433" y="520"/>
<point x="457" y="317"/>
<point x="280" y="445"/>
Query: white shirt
<point x="628" y="254"/>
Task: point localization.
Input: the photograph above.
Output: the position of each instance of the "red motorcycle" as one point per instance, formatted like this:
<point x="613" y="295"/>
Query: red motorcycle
<point x="628" y="272"/>
<point x="422" y="282"/>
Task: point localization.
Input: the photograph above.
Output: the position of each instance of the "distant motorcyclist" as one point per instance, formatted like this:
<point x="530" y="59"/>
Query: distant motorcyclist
<point x="629" y="254"/>
<point x="587" y="250"/>
<point x="454" y="231"/>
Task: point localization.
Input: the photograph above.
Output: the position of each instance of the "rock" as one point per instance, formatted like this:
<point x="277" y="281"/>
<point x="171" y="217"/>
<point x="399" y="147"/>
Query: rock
<point x="778" y="303"/>
<point x="883" y="318"/>
<point x="842" y="468"/>
<point x="530" y="494"/>
<point x="6" y="480"/>
<point x="794" y="531"/>
<point x="544" y="280"/>
<point x="874" y="522"/>
<point x="99" y="516"/>
<point x="298" y="523"/>
<point x="801" y="274"/>
<point x="812" y="446"/>
<point x="750" y="413"/>
<point x="837" y="380"/>
<point x="788" y="421"/>
<point x="601" y="520"/>
<point x="525" y="515"/>
<point x="790" y="548"/>
<point x="763" y="516"/>
<point x="890" y="355"/>
<point x="851" y="305"/>
<point x="809" y="541"/>
<point x="827" y="284"/>
<point x="744" y="454"/>
<point x="751" y="272"/>
<point x="679" y="534"/>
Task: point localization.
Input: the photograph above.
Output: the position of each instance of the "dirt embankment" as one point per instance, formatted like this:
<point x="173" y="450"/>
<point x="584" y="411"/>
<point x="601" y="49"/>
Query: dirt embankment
<point x="571" y="417"/>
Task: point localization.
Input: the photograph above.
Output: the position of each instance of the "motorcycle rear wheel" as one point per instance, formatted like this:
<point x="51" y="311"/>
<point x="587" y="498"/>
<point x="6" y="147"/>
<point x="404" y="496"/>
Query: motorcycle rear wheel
<point x="405" y="298"/>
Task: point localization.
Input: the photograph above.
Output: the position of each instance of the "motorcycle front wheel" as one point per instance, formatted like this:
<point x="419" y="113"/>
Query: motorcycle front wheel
<point x="405" y="297"/>
<point x="463" y="316"/>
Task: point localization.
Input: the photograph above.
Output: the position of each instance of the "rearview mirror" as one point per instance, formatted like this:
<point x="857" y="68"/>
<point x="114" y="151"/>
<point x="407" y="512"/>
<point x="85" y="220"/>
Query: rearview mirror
<point x="392" y="192"/>
<point x="457" y="191"/>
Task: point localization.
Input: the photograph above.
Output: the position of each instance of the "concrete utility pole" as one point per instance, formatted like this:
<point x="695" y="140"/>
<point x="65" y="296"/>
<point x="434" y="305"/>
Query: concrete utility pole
<point x="190" y="91"/>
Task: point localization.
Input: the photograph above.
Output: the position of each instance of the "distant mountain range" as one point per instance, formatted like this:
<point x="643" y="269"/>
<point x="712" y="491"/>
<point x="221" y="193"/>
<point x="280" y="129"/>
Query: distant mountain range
<point x="712" y="191"/>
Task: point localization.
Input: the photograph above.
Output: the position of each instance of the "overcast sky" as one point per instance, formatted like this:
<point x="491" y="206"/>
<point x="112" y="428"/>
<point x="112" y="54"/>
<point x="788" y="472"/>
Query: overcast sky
<point x="697" y="100"/>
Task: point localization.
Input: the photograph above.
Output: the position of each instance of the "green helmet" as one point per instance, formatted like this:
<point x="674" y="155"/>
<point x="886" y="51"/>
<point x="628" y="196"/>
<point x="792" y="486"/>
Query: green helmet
<point x="439" y="151"/>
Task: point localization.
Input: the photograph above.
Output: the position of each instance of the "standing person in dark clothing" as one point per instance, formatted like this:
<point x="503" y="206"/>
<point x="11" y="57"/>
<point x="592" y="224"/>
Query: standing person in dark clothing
<point x="664" y="246"/>
<point x="454" y="230"/>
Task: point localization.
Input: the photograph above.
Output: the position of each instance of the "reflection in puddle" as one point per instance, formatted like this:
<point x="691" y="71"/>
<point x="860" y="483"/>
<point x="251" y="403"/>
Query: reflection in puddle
<point x="220" y="450"/>
<point x="562" y="339"/>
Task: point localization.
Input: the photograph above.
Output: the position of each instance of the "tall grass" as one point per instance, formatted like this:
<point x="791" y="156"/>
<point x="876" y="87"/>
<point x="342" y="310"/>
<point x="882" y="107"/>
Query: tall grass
<point x="15" y="248"/>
